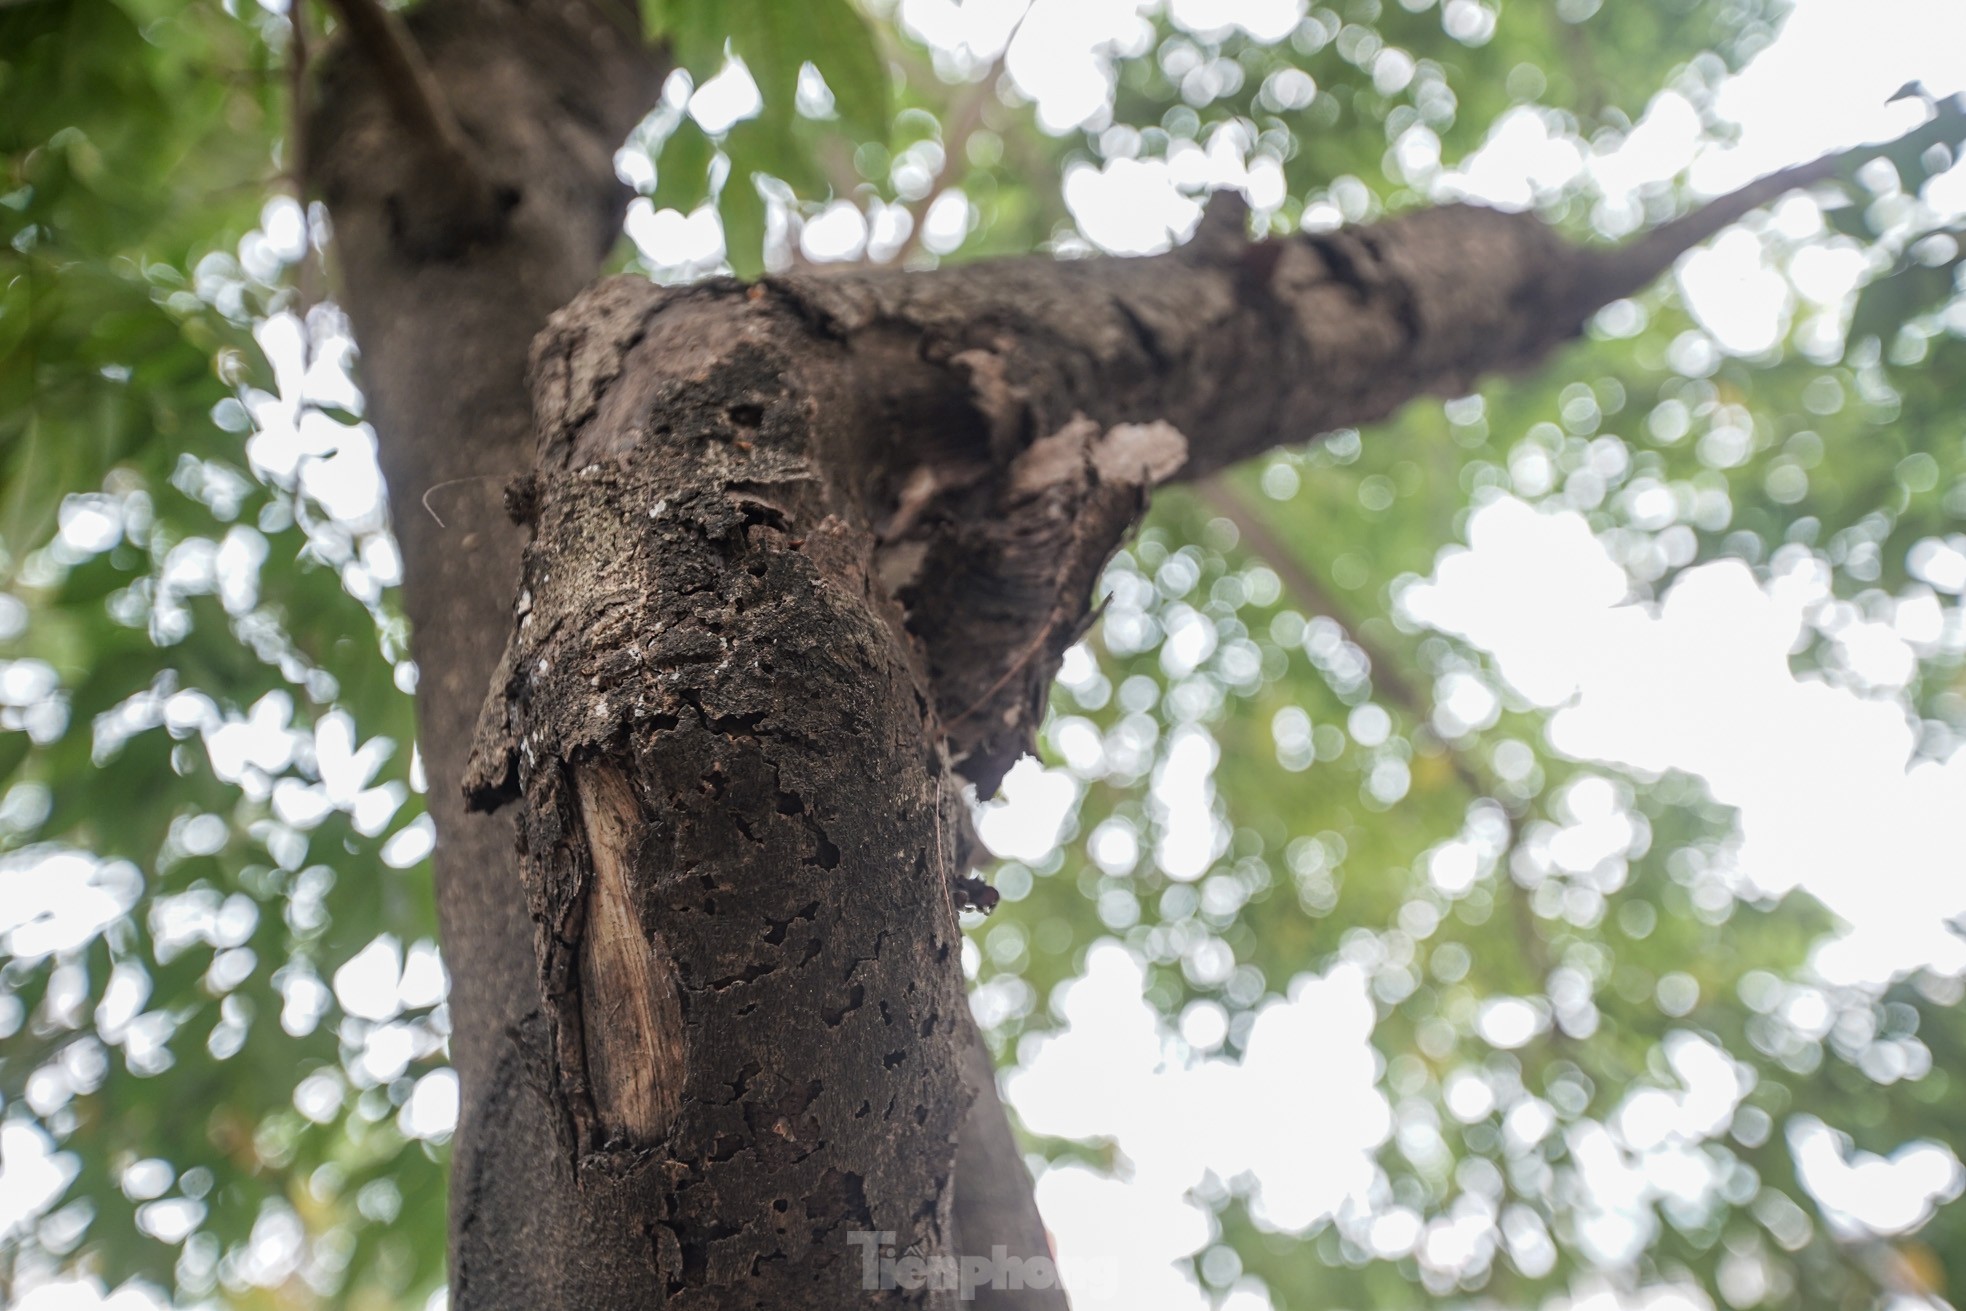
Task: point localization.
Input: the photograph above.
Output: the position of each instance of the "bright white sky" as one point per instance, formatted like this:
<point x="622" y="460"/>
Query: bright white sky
<point x="1700" y="683"/>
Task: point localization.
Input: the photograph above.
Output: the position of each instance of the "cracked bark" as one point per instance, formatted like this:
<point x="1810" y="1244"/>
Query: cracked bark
<point x="804" y="555"/>
<point x="803" y="558"/>
<point x="444" y="312"/>
<point x="698" y="622"/>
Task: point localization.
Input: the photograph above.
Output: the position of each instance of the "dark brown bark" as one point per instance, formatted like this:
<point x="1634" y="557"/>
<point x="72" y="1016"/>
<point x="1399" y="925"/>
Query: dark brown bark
<point x="546" y="91"/>
<point x="804" y="555"/>
<point x="445" y="312"/>
<point x="1008" y="419"/>
<point x="994" y="1210"/>
<point x="803" y="559"/>
<point x="699" y="634"/>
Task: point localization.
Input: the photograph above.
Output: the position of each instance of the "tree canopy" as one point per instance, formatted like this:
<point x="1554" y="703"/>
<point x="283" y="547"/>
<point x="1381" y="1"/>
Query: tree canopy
<point x="1312" y="818"/>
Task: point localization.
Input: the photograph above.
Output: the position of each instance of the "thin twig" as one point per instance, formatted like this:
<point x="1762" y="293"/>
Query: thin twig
<point x="434" y="488"/>
<point x="1583" y="68"/>
<point x="412" y="89"/>
<point x="955" y="147"/>
<point x="1021" y="662"/>
<point x="1231" y="503"/>
<point x="1228" y="500"/>
<point x="406" y="77"/>
<point x="1625" y="270"/>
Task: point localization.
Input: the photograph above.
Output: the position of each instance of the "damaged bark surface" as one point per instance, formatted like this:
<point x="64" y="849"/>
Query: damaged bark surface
<point x="803" y="559"/>
<point x="445" y="309"/>
<point x="732" y="804"/>
<point x="1015" y="415"/>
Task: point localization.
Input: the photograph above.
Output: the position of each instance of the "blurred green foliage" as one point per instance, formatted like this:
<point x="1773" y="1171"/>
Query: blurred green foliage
<point x="161" y="592"/>
<point x="206" y="738"/>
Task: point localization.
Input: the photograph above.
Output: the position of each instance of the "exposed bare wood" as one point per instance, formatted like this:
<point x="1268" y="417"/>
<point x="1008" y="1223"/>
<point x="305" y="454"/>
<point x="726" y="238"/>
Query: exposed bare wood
<point x="631" y="1016"/>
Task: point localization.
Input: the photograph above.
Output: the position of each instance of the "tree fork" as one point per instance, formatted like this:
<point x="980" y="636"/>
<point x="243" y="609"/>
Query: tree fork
<point x="801" y="553"/>
<point x="545" y="89"/>
<point x="927" y="472"/>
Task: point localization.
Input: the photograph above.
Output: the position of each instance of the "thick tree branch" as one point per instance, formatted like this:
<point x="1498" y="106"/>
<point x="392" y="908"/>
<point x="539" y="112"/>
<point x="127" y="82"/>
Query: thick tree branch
<point x="994" y="1206"/>
<point x="300" y="174"/>
<point x="1065" y="390"/>
<point x="548" y="89"/>
<point x="455" y="181"/>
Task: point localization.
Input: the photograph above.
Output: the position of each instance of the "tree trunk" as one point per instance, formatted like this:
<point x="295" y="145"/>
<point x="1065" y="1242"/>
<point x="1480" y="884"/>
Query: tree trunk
<point x="444" y="337"/>
<point x="803" y="559"/>
<point x="736" y="840"/>
<point x="545" y="91"/>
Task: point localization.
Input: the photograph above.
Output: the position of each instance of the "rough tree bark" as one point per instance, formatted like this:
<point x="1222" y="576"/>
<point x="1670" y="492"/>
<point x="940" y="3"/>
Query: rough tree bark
<point x="803" y="558"/>
<point x="444" y="299"/>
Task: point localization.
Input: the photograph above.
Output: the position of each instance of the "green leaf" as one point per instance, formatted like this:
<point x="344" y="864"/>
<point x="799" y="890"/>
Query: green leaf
<point x="657" y="17"/>
<point x="345" y="417"/>
<point x="850" y="60"/>
<point x="741" y="206"/>
<point x="693" y="29"/>
<point x="1914" y="156"/>
<point x="1851" y="221"/>
<point x="1893" y="300"/>
<point x="776" y="39"/>
<point x="13" y="750"/>
<point x="682" y="170"/>
<point x="764" y="145"/>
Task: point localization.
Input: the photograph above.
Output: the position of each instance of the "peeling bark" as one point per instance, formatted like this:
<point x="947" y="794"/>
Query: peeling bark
<point x="544" y="89"/>
<point x="803" y="559"/>
<point x="996" y="428"/>
<point x="804" y="556"/>
<point x="701" y="649"/>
